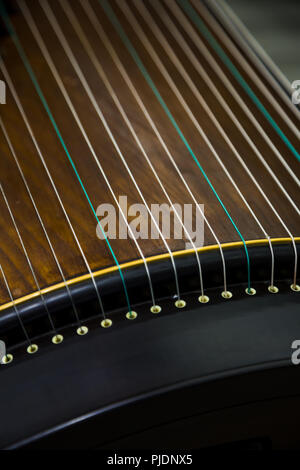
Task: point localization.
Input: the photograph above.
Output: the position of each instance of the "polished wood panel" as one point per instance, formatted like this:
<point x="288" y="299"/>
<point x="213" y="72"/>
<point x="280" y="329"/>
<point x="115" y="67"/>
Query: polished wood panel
<point x="11" y="255"/>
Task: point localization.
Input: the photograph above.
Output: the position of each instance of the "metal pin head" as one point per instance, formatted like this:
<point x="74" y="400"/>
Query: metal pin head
<point x="273" y="289"/>
<point x="106" y="323"/>
<point x="295" y="287"/>
<point x="180" y="303"/>
<point x="32" y="349"/>
<point x="250" y="291"/>
<point x="7" y="359"/>
<point x="82" y="330"/>
<point x="226" y="294"/>
<point x="57" y="339"/>
<point x="155" y="309"/>
<point x="131" y="315"/>
<point x="203" y="299"/>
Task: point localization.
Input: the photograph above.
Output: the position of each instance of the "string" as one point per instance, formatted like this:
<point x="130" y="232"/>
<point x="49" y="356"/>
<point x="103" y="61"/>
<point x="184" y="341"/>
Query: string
<point x="99" y="30"/>
<point x="29" y="69"/>
<point x="28" y="259"/>
<point x="107" y="8"/>
<point x="186" y="25"/>
<point x="225" y="38"/>
<point x="75" y="64"/>
<point x="162" y="14"/>
<point x="25" y="119"/>
<point x="52" y="67"/>
<point x="218" y="70"/>
<point x="149" y="20"/>
<point x="15" y="307"/>
<point x="103" y="76"/>
<point x="184" y="22"/>
<point x="193" y="15"/>
<point x="40" y="218"/>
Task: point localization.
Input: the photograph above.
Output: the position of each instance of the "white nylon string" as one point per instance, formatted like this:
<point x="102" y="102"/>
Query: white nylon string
<point x="15" y="307"/>
<point x="172" y="85"/>
<point x="197" y="94"/>
<point x="165" y="45"/>
<point x="171" y="27"/>
<point x="62" y="88"/>
<point x="24" y="116"/>
<point x="217" y="69"/>
<point x="90" y="13"/>
<point x="180" y="39"/>
<point x="199" y="97"/>
<point x="27" y="258"/>
<point x="75" y="115"/>
<point x="39" y="217"/>
<point x="104" y="78"/>
<point x="71" y="57"/>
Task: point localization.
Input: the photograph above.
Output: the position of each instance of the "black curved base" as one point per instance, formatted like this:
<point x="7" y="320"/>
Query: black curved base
<point x="112" y="293"/>
<point x="208" y="375"/>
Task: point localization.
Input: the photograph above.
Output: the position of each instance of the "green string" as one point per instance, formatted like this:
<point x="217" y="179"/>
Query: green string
<point x="191" y="12"/>
<point x="107" y="8"/>
<point x="27" y="65"/>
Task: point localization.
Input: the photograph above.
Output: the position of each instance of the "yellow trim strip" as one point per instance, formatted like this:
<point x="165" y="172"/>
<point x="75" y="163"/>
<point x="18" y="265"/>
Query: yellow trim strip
<point x="130" y="264"/>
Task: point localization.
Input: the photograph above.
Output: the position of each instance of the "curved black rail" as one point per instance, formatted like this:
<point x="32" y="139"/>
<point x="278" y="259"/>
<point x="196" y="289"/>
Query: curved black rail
<point x="84" y="294"/>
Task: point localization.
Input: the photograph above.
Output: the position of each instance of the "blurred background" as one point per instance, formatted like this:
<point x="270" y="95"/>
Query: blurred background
<point x="275" y="24"/>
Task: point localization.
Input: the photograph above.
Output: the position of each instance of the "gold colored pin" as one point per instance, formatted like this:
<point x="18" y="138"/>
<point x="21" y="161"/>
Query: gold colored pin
<point x="131" y="315"/>
<point x="32" y="349"/>
<point x="155" y="309"/>
<point x="106" y="323"/>
<point x="295" y="287"/>
<point x="82" y="330"/>
<point x="7" y="359"/>
<point x="180" y="303"/>
<point x="273" y="289"/>
<point x="57" y="339"/>
<point x="250" y="291"/>
<point x="226" y="294"/>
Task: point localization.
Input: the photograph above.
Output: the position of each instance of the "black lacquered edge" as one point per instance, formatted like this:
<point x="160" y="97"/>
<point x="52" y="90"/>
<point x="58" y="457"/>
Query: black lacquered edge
<point x="100" y="389"/>
<point x="112" y="293"/>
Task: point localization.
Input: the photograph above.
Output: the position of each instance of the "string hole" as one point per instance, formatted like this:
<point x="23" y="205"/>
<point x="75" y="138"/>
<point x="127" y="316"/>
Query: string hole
<point x="7" y="359"/>
<point x="273" y="289"/>
<point x="250" y="291"/>
<point x="226" y="294"/>
<point x="82" y="330"/>
<point x="203" y="299"/>
<point x="131" y="315"/>
<point x="106" y="323"/>
<point x="295" y="287"/>
<point x="33" y="348"/>
<point x="180" y="303"/>
<point x="57" y="339"/>
<point x="155" y="309"/>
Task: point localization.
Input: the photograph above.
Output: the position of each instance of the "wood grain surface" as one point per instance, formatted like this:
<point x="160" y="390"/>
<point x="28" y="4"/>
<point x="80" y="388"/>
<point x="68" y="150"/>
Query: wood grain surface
<point x="12" y="257"/>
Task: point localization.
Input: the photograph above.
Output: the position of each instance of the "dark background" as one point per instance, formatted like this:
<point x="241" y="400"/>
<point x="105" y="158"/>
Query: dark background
<point x="275" y="24"/>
